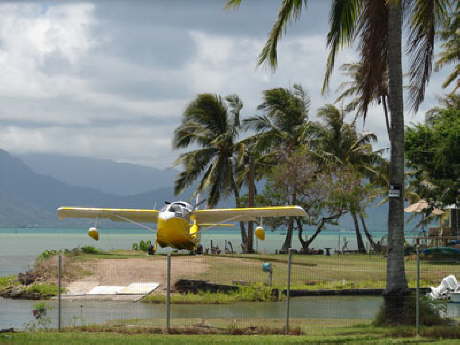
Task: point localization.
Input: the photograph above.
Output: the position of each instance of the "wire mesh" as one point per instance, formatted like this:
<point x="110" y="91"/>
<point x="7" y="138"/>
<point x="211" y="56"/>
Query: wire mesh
<point x="231" y="291"/>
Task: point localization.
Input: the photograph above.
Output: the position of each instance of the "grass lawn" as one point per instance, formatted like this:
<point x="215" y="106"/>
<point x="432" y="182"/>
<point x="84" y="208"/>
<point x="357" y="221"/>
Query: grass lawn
<point x="322" y="272"/>
<point x="358" y="334"/>
<point x="308" y="271"/>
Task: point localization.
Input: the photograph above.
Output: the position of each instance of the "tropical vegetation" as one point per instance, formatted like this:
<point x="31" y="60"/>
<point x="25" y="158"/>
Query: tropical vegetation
<point x="375" y="27"/>
<point x="433" y="154"/>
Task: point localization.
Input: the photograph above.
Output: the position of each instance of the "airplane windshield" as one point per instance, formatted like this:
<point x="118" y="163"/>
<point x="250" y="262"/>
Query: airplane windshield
<point x="179" y="209"/>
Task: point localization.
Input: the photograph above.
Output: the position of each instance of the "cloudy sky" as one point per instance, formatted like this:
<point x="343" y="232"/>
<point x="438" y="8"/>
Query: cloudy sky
<point x="110" y="79"/>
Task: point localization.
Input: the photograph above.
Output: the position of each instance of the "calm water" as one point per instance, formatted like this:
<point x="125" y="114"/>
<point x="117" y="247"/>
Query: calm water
<point x="19" y="247"/>
<point x="17" y="313"/>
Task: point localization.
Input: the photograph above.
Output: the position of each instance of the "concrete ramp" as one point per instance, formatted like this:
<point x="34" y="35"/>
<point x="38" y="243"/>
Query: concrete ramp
<point x="131" y="289"/>
<point x="105" y="290"/>
<point x="138" y="288"/>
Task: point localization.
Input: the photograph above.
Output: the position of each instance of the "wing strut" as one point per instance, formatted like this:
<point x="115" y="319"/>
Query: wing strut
<point x="148" y="228"/>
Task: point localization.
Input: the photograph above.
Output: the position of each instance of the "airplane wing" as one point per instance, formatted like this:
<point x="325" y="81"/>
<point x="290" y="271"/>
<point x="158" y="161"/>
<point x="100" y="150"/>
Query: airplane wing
<point x="115" y="214"/>
<point x="246" y="214"/>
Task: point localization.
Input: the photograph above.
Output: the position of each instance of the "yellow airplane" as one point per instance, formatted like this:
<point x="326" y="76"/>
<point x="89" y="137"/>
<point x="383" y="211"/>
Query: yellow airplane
<point x="178" y="224"/>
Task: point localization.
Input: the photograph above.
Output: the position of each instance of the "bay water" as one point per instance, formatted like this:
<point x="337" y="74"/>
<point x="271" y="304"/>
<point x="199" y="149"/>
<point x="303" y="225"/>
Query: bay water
<point x="20" y="246"/>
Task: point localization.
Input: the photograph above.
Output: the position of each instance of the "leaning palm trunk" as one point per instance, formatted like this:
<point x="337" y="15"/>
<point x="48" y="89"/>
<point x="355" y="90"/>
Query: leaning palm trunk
<point x="375" y="246"/>
<point x="359" y="238"/>
<point x="396" y="277"/>
<point x="244" y="236"/>
<point x="288" y="240"/>
<point x="251" y="203"/>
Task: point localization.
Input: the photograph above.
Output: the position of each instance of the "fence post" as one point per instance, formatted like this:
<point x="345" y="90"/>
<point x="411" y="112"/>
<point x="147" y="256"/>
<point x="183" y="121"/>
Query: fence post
<point x="288" y="291"/>
<point x="59" y="292"/>
<point x="417" y="290"/>
<point x="168" y="292"/>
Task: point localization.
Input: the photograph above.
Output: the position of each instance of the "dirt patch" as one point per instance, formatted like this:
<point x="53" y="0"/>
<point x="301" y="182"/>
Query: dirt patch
<point x="125" y="271"/>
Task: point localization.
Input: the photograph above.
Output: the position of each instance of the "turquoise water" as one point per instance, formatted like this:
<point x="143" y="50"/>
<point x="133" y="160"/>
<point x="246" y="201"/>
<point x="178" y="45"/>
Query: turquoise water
<point x="20" y="246"/>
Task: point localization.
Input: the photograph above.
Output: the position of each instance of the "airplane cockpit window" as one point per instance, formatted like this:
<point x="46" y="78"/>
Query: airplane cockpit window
<point x="179" y="209"/>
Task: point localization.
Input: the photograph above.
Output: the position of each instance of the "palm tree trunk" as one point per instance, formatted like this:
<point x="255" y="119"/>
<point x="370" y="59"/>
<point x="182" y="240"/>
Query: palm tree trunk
<point x="251" y="203"/>
<point x="359" y="238"/>
<point x="244" y="236"/>
<point x="396" y="276"/>
<point x="288" y="240"/>
<point x="376" y="247"/>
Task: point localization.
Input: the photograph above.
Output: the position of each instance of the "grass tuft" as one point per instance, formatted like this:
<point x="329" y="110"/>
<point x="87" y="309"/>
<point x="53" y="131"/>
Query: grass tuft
<point x="243" y="294"/>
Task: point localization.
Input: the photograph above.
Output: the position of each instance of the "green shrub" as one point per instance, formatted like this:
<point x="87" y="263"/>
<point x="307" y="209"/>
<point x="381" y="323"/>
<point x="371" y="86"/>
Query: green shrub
<point x="90" y="250"/>
<point x="243" y="294"/>
<point x="43" y="289"/>
<point x="47" y="254"/>
<point x="8" y="281"/>
<point x="142" y="245"/>
<point x="400" y="310"/>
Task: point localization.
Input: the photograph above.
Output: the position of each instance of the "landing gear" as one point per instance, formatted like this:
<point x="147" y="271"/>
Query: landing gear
<point x="151" y="250"/>
<point x="197" y="251"/>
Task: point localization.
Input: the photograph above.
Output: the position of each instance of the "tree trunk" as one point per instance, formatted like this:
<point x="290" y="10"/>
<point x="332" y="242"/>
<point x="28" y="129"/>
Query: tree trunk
<point x="251" y="203"/>
<point x="319" y="227"/>
<point x="303" y="243"/>
<point x="288" y="240"/>
<point x="376" y="247"/>
<point x="396" y="276"/>
<point x="359" y="238"/>
<point x="244" y="236"/>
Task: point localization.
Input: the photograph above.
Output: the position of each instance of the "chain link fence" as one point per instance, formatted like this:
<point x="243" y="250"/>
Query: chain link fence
<point x="242" y="291"/>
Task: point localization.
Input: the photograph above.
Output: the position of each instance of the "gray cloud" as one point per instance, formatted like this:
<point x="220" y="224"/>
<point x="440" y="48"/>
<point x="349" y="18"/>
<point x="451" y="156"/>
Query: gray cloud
<point x="110" y="79"/>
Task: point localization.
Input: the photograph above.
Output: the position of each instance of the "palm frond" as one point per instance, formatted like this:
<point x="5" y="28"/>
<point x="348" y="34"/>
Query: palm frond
<point x="233" y="4"/>
<point x="194" y="162"/>
<point x="190" y="132"/>
<point x="373" y="43"/>
<point x="426" y="18"/>
<point x="343" y="22"/>
<point x="289" y="11"/>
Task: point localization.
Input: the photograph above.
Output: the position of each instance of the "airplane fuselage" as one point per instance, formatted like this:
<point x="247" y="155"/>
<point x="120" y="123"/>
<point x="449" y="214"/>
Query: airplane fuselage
<point x="175" y="228"/>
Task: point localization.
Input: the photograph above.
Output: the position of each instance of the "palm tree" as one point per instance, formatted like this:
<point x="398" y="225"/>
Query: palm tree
<point x="355" y="88"/>
<point x="353" y="150"/>
<point x="282" y="128"/>
<point x="375" y="26"/>
<point x="212" y="124"/>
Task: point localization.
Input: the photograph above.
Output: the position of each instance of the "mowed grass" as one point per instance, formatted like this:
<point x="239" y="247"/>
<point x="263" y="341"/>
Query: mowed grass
<point x="320" y="271"/>
<point x="320" y="334"/>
